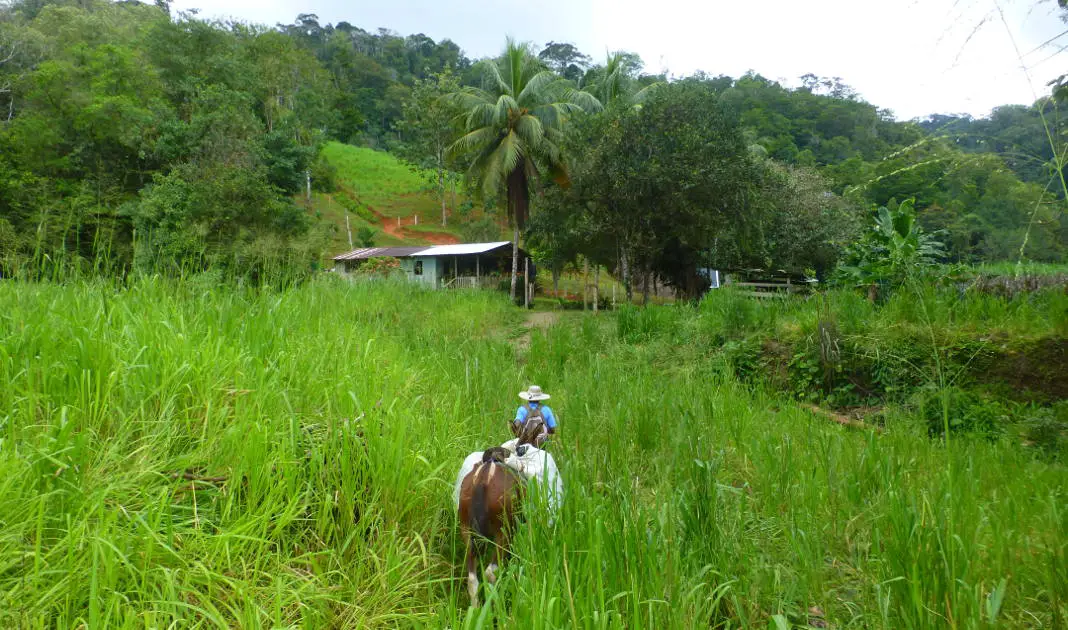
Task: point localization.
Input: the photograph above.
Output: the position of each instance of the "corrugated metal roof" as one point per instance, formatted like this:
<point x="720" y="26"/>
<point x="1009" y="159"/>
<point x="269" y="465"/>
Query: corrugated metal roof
<point x="376" y="252"/>
<point x="461" y="248"/>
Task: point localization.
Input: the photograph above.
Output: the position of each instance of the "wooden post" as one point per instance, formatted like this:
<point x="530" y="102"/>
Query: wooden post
<point x="613" y="296"/>
<point x="348" y="228"/>
<point x="398" y="221"/>
<point x="526" y="282"/>
<point x="478" y="270"/>
<point x="417" y="219"/>
<point x="596" y="289"/>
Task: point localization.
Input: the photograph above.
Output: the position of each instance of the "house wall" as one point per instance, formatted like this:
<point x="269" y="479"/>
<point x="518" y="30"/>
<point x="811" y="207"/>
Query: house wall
<point x="435" y="268"/>
<point x="431" y="273"/>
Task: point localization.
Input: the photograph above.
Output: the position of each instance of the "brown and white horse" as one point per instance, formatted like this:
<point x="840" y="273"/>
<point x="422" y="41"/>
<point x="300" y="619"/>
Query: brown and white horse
<point x="489" y="500"/>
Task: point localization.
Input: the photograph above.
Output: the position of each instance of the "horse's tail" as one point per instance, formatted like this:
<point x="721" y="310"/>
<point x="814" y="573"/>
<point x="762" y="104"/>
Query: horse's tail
<point x="479" y="514"/>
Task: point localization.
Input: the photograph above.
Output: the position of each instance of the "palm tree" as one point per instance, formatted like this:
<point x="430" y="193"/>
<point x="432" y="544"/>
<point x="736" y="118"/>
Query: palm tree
<point x="616" y="82"/>
<point x="513" y="126"/>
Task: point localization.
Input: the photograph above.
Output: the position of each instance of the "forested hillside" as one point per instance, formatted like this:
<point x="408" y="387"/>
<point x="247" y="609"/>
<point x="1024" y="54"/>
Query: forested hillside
<point x="131" y="139"/>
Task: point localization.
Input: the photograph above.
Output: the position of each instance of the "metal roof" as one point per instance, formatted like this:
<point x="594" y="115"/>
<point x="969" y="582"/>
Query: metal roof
<point x="461" y="248"/>
<point x="376" y="252"/>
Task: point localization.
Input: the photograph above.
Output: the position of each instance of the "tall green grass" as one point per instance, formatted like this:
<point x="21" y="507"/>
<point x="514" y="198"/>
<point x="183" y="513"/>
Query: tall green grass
<point x="187" y="454"/>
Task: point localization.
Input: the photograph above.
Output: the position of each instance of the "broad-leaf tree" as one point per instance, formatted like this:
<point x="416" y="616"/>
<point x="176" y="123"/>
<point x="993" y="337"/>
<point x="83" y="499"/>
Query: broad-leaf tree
<point x="429" y="128"/>
<point x="664" y="181"/>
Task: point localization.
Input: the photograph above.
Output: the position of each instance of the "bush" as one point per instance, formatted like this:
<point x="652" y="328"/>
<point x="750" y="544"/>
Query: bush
<point x="480" y="230"/>
<point x="324" y="175"/>
<point x="366" y="236"/>
<point x="1047" y="430"/>
<point x="965" y="411"/>
<point x="635" y="324"/>
<point x="349" y="203"/>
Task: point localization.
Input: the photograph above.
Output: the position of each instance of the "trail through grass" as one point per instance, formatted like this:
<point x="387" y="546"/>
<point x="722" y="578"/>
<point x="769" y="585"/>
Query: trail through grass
<point x="180" y="453"/>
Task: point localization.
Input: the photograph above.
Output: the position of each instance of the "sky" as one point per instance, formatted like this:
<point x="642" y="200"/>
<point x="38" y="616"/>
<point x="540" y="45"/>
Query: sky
<point x="914" y="57"/>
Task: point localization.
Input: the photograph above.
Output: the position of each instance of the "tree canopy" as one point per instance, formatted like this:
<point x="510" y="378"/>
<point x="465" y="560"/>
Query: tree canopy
<point x="133" y="138"/>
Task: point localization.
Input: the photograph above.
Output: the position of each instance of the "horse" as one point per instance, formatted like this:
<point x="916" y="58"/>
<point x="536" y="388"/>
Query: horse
<point x="489" y="499"/>
<point x="533" y="432"/>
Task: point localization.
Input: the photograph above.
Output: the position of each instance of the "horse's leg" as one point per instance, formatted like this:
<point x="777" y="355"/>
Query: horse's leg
<point x="491" y="570"/>
<point x="472" y="572"/>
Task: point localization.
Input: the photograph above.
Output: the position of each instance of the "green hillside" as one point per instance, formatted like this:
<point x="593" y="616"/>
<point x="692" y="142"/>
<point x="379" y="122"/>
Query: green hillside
<point x="380" y="192"/>
<point x="383" y="182"/>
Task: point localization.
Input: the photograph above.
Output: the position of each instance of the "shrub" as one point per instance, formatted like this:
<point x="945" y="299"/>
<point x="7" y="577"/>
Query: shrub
<point x="349" y="203"/>
<point x="1046" y="429"/>
<point x="964" y="411"/>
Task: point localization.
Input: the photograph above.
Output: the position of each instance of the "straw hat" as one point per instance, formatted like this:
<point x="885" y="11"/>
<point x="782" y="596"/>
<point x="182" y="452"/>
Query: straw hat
<point x="534" y="393"/>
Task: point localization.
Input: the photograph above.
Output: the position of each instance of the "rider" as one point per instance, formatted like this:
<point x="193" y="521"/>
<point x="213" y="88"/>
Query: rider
<point x="534" y="411"/>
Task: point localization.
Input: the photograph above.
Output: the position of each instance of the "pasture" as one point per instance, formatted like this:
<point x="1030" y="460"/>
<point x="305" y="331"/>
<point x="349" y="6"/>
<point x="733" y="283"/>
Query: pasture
<point x="176" y="452"/>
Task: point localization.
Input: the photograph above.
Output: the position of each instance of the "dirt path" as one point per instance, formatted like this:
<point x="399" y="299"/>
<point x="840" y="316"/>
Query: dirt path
<point x="541" y="320"/>
<point x="397" y="229"/>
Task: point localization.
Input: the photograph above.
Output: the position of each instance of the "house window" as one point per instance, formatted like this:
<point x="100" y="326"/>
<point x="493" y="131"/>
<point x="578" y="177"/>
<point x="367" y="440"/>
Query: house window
<point x="418" y="267"/>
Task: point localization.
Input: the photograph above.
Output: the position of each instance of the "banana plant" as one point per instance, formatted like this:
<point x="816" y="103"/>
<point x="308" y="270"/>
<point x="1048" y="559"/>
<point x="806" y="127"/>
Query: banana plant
<point x="893" y="249"/>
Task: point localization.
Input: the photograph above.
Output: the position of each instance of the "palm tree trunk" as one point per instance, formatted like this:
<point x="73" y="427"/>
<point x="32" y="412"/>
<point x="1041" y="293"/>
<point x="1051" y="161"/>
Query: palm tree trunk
<point x="515" y="257"/>
<point x="518" y="202"/>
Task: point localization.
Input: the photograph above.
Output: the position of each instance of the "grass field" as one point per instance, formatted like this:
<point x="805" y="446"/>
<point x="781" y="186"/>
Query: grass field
<point x="383" y="182"/>
<point x="179" y="454"/>
<point x="1028" y="268"/>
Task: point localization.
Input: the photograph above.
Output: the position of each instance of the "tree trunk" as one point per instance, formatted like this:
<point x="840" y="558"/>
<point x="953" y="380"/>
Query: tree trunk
<point x="441" y="189"/>
<point x="596" y="289"/>
<point x="515" y="257"/>
<point x="453" y="191"/>
<point x="585" y="283"/>
<point x="645" y="288"/>
<point x="626" y="273"/>
<point x="518" y="195"/>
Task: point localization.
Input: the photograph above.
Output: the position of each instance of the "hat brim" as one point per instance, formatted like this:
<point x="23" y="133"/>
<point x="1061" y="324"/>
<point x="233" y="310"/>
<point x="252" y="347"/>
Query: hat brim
<point x="535" y="397"/>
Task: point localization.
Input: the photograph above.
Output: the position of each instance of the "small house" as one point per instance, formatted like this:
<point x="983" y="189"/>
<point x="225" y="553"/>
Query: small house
<point x="464" y="265"/>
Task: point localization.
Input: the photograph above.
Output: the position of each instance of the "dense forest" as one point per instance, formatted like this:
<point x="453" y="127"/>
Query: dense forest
<point x="134" y="139"/>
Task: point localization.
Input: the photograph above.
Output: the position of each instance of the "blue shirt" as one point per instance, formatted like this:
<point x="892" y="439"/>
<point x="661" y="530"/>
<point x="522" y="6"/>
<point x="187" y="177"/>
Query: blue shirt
<point x="550" y="420"/>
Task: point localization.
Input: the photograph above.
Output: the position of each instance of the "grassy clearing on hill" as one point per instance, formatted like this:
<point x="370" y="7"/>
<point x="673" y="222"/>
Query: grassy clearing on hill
<point x="184" y="453"/>
<point x="382" y="189"/>
<point x="383" y="182"/>
<point x="331" y="211"/>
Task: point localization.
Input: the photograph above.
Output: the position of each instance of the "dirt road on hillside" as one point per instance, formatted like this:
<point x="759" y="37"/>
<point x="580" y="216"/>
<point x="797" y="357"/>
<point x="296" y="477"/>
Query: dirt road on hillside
<point x="397" y="228"/>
